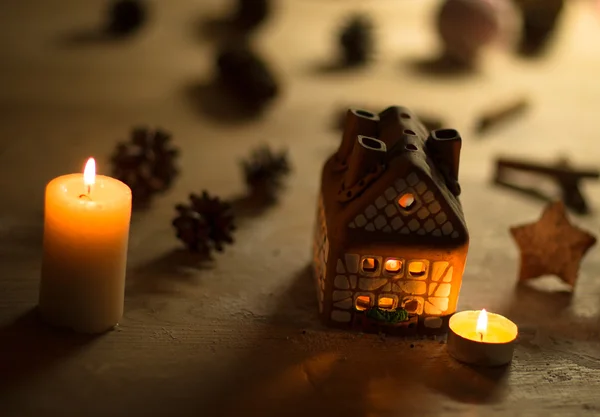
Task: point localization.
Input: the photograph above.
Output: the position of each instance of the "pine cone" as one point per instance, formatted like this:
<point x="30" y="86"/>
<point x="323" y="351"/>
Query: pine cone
<point x="218" y="216"/>
<point x="146" y="164"/>
<point x="192" y="229"/>
<point x="125" y="17"/>
<point x="356" y="41"/>
<point x="205" y="224"/>
<point x="539" y="21"/>
<point x="247" y="76"/>
<point x="264" y="170"/>
<point x="250" y="13"/>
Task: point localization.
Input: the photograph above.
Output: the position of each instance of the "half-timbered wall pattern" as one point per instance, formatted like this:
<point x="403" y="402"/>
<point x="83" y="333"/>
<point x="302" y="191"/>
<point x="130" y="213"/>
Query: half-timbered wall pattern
<point x="423" y="290"/>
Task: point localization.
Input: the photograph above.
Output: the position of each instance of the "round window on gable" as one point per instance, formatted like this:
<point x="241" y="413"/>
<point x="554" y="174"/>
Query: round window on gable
<point x="406" y="201"/>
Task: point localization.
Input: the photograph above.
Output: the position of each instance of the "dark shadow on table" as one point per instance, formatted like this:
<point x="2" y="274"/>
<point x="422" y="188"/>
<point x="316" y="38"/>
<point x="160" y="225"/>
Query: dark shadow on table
<point x="211" y="29"/>
<point x="578" y="206"/>
<point x="468" y="384"/>
<point x="537" y="47"/>
<point x="179" y="266"/>
<point x="28" y="347"/>
<point x="297" y="367"/>
<point x="537" y="305"/>
<point x="536" y="309"/>
<point x="213" y="100"/>
<point x="22" y="242"/>
<point x="90" y="37"/>
<point x="138" y="206"/>
<point x="217" y="30"/>
<point x="297" y="306"/>
<point x="166" y="273"/>
<point x="30" y="235"/>
<point x="251" y="205"/>
<point x="142" y="205"/>
<point x="526" y="191"/>
<point x="440" y="66"/>
<point x="336" y="68"/>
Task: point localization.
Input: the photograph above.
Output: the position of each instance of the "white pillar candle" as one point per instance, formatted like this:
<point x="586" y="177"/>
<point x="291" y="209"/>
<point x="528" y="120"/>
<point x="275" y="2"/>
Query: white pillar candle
<point x="86" y="231"/>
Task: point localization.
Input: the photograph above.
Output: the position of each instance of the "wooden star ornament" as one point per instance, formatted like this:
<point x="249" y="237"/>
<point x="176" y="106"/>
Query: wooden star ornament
<point x="552" y="245"/>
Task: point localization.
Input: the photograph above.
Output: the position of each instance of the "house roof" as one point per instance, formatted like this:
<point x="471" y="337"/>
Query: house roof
<point x="388" y="157"/>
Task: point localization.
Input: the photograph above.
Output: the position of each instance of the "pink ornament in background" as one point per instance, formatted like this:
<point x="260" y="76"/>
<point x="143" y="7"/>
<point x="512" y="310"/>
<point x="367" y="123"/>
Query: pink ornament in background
<point x="466" y="26"/>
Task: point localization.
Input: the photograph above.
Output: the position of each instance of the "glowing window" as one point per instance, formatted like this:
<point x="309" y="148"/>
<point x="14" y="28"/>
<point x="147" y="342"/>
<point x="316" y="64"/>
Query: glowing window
<point x="369" y="264"/>
<point x="386" y="303"/>
<point x="412" y="306"/>
<point x="417" y="269"/>
<point x="362" y="303"/>
<point x="393" y="266"/>
<point x="406" y="201"/>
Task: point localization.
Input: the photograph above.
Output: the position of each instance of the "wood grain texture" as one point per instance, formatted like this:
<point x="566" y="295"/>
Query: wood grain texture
<point x="239" y="337"/>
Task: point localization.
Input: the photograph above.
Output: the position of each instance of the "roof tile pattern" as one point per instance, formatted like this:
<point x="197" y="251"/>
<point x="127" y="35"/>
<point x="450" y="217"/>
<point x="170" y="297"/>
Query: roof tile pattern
<point x="424" y="217"/>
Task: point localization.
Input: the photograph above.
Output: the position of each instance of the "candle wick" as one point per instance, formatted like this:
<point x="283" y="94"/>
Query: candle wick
<point x="88" y="192"/>
<point x="481" y="335"/>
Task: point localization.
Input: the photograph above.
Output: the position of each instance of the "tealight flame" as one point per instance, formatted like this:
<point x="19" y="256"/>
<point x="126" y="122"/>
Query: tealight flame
<point x="482" y="323"/>
<point x="89" y="173"/>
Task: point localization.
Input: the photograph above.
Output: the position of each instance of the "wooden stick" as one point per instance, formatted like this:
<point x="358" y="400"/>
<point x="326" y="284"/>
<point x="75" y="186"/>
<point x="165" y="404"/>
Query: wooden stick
<point x="559" y="170"/>
<point x="498" y="115"/>
<point x="566" y="177"/>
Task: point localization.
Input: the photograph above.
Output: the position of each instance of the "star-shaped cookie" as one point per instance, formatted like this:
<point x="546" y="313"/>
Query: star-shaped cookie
<point x="552" y="245"/>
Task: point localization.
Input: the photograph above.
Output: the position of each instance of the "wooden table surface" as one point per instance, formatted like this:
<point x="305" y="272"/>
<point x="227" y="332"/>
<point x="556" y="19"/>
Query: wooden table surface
<point x="239" y="336"/>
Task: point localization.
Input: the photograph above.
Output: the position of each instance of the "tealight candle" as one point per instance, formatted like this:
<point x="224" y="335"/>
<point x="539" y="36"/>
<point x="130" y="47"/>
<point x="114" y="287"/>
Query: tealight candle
<point x="481" y="338"/>
<point x="86" y="231"/>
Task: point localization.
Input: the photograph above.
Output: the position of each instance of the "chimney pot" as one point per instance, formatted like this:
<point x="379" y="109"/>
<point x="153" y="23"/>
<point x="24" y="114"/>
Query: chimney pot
<point x="358" y="122"/>
<point x="367" y="154"/>
<point x="444" y="148"/>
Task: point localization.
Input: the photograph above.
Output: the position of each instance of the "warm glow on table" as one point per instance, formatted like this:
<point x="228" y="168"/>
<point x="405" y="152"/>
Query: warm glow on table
<point x="86" y="230"/>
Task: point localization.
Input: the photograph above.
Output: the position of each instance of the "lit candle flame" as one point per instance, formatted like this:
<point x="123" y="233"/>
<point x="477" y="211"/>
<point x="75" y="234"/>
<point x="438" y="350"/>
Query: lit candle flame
<point x="89" y="174"/>
<point x="482" y="323"/>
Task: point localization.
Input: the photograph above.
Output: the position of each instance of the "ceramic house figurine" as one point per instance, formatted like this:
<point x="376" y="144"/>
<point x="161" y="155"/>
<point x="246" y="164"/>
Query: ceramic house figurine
<point x="390" y="241"/>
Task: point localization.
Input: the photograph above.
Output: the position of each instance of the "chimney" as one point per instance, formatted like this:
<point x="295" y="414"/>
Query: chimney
<point x="358" y="122"/>
<point x="444" y="148"/>
<point x="366" y="155"/>
<point x="401" y="130"/>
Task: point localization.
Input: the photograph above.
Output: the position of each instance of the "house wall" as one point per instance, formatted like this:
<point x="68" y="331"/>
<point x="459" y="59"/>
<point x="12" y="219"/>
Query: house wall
<point x="320" y="252"/>
<point x="431" y="296"/>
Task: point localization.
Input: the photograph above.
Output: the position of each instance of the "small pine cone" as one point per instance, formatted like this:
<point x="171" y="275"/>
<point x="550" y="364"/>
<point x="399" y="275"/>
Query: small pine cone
<point x="146" y="163"/>
<point x="356" y="41"/>
<point x="218" y="216"/>
<point x="539" y="21"/>
<point x="125" y="17"/>
<point x="247" y="76"/>
<point x="192" y="229"/>
<point x="264" y="170"/>
<point x="250" y="13"/>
